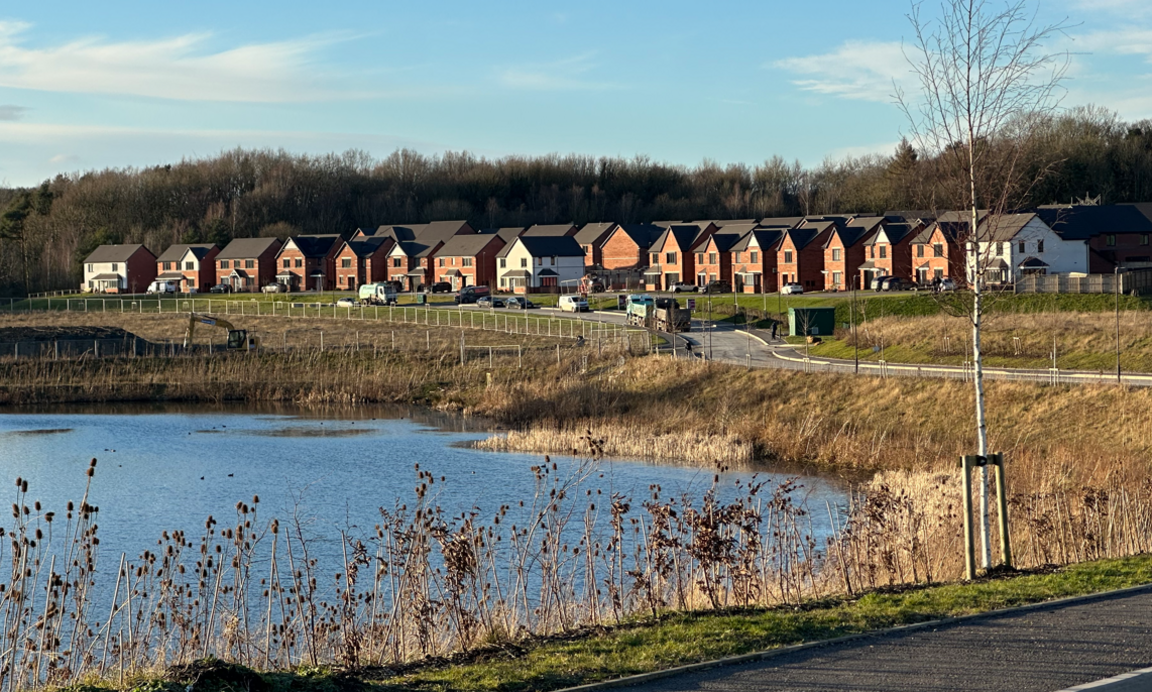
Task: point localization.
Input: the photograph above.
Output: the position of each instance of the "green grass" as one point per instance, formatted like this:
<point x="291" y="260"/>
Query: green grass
<point x="683" y="638"/>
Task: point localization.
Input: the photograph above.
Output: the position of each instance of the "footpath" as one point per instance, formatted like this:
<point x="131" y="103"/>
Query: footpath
<point x="1078" y="644"/>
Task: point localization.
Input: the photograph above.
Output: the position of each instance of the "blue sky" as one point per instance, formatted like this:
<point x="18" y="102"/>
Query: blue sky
<point x="88" y="85"/>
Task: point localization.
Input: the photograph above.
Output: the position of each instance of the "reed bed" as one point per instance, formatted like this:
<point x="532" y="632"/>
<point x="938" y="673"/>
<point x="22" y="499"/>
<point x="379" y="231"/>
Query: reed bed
<point x="615" y="441"/>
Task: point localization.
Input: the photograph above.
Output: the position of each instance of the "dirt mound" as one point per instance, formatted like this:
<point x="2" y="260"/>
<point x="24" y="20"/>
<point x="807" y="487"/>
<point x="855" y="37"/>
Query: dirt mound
<point x="10" y="335"/>
<point x="213" y="675"/>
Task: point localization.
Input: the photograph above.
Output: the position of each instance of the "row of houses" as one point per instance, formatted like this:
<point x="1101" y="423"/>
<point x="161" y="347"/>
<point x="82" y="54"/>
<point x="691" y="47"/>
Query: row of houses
<point x="832" y="252"/>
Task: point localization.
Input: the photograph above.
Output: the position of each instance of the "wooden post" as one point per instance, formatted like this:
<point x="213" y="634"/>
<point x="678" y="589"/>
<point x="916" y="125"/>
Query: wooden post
<point x="1002" y="513"/>
<point x="969" y="548"/>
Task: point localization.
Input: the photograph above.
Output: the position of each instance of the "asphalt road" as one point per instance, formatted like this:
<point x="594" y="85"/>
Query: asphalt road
<point x="1043" y="650"/>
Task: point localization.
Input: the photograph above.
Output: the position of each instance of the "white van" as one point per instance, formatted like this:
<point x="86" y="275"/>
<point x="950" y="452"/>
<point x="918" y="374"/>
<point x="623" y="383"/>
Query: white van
<point x="573" y="304"/>
<point x="163" y="287"/>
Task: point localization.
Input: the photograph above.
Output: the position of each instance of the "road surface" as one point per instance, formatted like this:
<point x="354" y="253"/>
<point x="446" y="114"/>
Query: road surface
<point x="1043" y="650"/>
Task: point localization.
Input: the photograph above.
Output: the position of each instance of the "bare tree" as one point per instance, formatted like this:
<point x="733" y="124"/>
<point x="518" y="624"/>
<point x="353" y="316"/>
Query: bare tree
<point x="985" y="83"/>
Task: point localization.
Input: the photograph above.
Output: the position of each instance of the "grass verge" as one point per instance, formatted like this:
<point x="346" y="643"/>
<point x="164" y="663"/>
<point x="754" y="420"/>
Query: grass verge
<point x="676" y="639"/>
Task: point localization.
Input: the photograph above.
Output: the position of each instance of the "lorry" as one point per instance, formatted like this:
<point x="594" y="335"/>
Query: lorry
<point x="659" y="314"/>
<point x="377" y="294"/>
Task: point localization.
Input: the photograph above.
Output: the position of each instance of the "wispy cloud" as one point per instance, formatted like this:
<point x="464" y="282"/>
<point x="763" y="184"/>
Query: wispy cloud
<point x="182" y="68"/>
<point x="10" y="112"/>
<point x="861" y="70"/>
<point x="1124" y="41"/>
<point x="569" y="74"/>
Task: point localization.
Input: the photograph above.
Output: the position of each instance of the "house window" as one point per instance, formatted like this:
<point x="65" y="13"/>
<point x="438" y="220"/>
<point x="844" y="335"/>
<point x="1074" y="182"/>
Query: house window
<point x="167" y="266"/>
<point x="90" y="266"/>
<point x="836" y="277"/>
<point x="755" y="257"/>
<point x="523" y="262"/>
<point x="937" y="249"/>
<point x="1040" y="245"/>
<point x="699" y="258"/>
<point x="711" y="258"/>
<point x="787" y="256"/>
<point x="466" y="261"/>
<point x="346" y="262"/>
<point x="670" y="257"/>
<point x="115" y="267"/>
<point x="919" y="250"/>
<point x="587" y="249"/>
<point x="552" y="261"/>
<point x="1021" y="244"/>
<point x="223" y="264"/>
<point x="655" y="258"/>
<point x="1111" y="240"/>
<point x="191" y="283"/>
<point x="883" y="251"/>
<point x="835" y="254"/>
<point x="872" y="252"/>
<point x="397" y="262"/>
<point x="441" y="261"/>
<point x="539" y="261"/>
<point x="999" y="249"/>
<point x="1143" y="240"/>
<point x="249" y="264"/>
<point x="300" y="262"/>
<point x="503" y="265"/>
<point x="287" y="263"/>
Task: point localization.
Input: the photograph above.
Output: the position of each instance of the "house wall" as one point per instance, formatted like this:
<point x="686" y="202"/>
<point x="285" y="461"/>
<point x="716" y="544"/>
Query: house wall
<point x="619" y="251"/>
<point x="682" y="268"/>
<point x="1125" y="248"/>
<point x="764" y="265"/>
<point x="304" y="280"/>
<point x="202" y="275"/>
<point x="806" y="264"/>
<point x="1062" y="256"/>
<point x="567" y="268"/>
<point x="136" y="273"/>
<point x="398" y="265"/>
<point x="349" y="278"/>
<point x="949" y="265"/>
<point x="480" y="272"/>
<point x="720" y="270"/>
<point x="839" y="273"/>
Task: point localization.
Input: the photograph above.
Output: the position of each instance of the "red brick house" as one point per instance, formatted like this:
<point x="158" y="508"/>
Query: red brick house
<point x="1117" y="234"/>
<point x="800" y="256"/>
<point x="410" y="264"/>
<point x="119" y="269"/>
<point x="754" y="261"/>
<point x="591" y="238"/>
<point x="937" y="253"/>
<point x="672" y="256"/>
<point x="468" y="260"/>
<point x="247" y="264"/>
<point x="362" y="261"/>
<point x="714" y="258"/>
<point x="191" y="266"/>
<point x="308" y="262"/>
<point x="889" y="253"/>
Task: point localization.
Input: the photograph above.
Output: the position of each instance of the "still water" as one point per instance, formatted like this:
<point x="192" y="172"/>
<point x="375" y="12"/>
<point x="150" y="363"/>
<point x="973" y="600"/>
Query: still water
<point x="170" y="469"/>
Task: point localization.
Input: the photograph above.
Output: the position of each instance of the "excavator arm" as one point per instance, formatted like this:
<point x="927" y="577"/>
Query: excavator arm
<point x="237" y="338"/>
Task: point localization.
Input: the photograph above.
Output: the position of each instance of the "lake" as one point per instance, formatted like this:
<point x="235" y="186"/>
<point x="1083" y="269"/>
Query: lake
<point x="170" y="469"/>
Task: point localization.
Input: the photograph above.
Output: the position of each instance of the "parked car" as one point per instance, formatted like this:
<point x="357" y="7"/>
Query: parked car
<point x="681" y="287"/>
<point x="471" y="294"/>
<point x="346" y="302"/>
<point x="274" y="288"/>
<point x="573" y="304"/>
<point x="441" y="287"/>
<point x="892" y="283"/>
<point x="489" y="302"/>
<point x="716" y="287"/>
<point x="792" y="289"/>
<point x="518" y="303"/>
<point x="160" y="286"/>
<point x="876" y="282"/>
<point x="947" y="285"/>
<point x="220" y="288"/>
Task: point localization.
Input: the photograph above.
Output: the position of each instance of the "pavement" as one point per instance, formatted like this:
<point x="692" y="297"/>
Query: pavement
<point x="1043" y="649"/>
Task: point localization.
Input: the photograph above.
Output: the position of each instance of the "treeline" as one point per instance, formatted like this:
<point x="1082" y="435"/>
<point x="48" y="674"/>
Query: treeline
<point x="47" y="230"/>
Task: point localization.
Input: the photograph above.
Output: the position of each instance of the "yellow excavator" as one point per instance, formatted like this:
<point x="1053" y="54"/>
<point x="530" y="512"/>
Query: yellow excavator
<point x="238" y="339"/>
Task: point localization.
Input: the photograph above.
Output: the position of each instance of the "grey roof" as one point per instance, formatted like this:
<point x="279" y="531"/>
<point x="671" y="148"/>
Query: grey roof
<point x="781" y="222"/>
<point x="560" y="229"/>
<point x="724" y="241"/>
<point x="1083" y="222"/>
<point x="170" y="275"/>
<point x="1033" y="262"/>
<point x="397" y="232"/>
<point x="467" y="245"/>
<point x="801" y="236"/>
<point x="414" y="248"/>
<point x="895" y="232"/>
<point x="247" y="248"/>
<point x="849" y="235"/>
<point x="765" y="239"/>
<point x="175" y="252"/>
<point x="115" y="253"/>
<point x="1002" y="227"/>
<point x="643" y="234"/>
<point x="366" y="246"/>
<point x="592" y="233"/>
<point x="507" y="234"/>
<point x="952" y="230"/>
<point x="547" y="272"/>
<point x="517" y="274"/>
<point x="106" y="277"/>
<point x="547" y="246"/>
<point x="685" y="235"/>
<point x="441" y="231"/>
<point x="316" y="245"/>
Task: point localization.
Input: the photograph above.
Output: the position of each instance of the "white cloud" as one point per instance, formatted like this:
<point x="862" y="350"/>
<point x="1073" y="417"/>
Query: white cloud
<point x="181" y="68"/>
<point x="64" y="158"/>
<point x="861" y="70"/>
<point x="561" y="75"/>
<point x="883" y="148"/>
<point x="1126" y="41"/>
